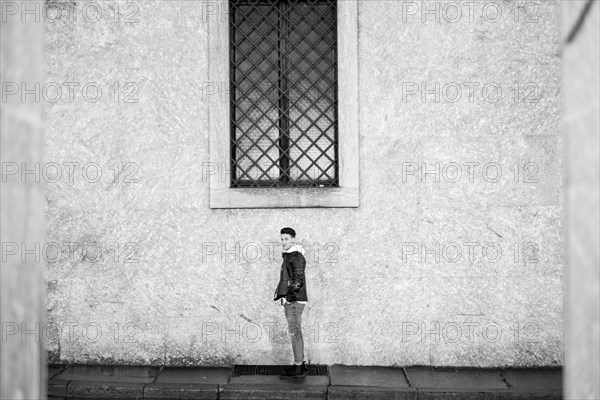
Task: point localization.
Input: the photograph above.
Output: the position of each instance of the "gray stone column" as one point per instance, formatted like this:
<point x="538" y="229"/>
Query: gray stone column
<point x="22" y="281"/>
<point x="580" y="129"/>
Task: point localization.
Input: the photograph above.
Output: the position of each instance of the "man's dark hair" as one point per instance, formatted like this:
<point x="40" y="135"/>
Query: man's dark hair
<point x="289" y="231"/>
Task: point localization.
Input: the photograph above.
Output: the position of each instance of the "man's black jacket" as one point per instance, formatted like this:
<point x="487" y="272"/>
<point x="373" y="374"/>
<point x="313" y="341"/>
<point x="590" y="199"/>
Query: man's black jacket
<point x="292" y="283"/>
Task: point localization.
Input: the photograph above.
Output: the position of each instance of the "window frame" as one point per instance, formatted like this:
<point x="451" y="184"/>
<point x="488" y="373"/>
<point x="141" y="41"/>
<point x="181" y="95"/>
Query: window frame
<point x="347" y="193"/>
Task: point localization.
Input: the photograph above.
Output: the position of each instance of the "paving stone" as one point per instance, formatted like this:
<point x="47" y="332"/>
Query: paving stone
<point x="57" y="388"/>
<point x="461" y="379"/>
<point x="54" y="370"/>
<point x="104" y="373"/>
<point x="94" y="389"/>
<point x="367" y="376"/>
<point x="290" y="391"/>
<point x="347" y="382"/>
<point x="370" y="393"/>
<point x="464" y="395"/>
<point x="498" y="395"/>
<point x="174" y="390"/>
<point x="57" y="384"/>
<point x="534" y="380"/>
<point x="194" y="375"/>
<point x="531" y="396"/>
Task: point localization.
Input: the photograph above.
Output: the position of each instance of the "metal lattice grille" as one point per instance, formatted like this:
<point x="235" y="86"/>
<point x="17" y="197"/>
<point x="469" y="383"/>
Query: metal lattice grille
<point x="241" y="370"/>
<point x="283" y="75"/>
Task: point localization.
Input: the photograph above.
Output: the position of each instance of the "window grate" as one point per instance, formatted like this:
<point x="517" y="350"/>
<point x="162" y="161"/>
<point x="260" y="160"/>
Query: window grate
<point x="283" y="96"/>
<point x="240" y="370"/>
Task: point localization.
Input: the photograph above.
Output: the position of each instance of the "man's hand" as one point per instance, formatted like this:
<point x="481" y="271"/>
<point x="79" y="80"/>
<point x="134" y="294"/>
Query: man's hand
<point x="295" y="287"/>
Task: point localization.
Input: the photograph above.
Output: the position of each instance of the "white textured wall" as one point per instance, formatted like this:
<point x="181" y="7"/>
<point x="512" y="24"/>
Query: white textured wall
<point x="367" y="307"/>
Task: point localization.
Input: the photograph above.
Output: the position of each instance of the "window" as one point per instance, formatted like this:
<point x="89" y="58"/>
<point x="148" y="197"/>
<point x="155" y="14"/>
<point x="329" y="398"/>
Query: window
<point x="283" y="86"/>
<point x="286" y="131"/>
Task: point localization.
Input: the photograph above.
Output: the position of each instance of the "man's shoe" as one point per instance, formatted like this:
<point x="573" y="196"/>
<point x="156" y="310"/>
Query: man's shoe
<point x="295" y="372"/>
<point x="304" y="368"/>
<point x="286" y="369"/>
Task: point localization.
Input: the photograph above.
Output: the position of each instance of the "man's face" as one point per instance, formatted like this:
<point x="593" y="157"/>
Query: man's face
<point x="286" y="241"/>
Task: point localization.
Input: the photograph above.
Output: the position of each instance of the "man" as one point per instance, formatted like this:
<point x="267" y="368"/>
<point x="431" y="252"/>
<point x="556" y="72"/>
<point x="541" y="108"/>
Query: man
<point x="292" y="289"/>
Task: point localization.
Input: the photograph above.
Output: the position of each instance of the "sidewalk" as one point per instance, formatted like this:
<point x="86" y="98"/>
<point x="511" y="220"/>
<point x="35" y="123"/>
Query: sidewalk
<point x="341" y="382"/>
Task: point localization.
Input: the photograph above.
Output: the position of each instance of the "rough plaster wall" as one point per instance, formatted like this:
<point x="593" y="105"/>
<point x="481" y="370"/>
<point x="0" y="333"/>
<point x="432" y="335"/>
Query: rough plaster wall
<point x="363" y="309"/>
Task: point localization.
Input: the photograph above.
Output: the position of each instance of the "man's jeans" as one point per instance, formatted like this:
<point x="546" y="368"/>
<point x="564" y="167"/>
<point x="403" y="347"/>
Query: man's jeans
<point x="293" y="313"/>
